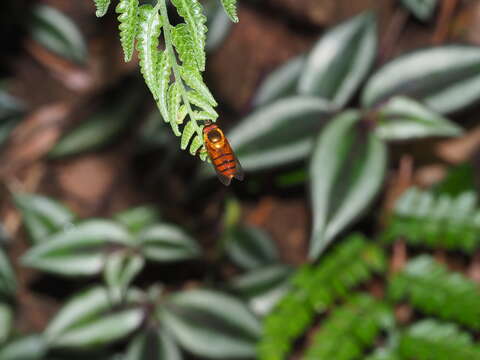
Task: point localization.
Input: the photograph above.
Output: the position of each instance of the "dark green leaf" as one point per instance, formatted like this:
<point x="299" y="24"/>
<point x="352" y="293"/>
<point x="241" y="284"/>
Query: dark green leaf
<point x="346" y="172"/>
<point x="87" y="321"/>
<point x="211" y="324"/>
<point x="103" y="331"/>
<point x="137" y="218"/>
<point x="262" y="288"/>
<point x="120" y="270"/>
<point x="165" y="243"/>
<point x="6" y="319"/>
<point x="341" y="60"/>
<point x="422" y="9"/>
<point x="350" y="329"/>
<point x="26" y="348"/>
<point x="435" y="290"/>
<point x="280" y="133"/>
<point x="250" y="247"/>
<point x="58" y="33"/>
<point x="7" y="277"/>
<point x="432" y="340"/>
<point x="80" y="308"/>
<point x="42" y="216"/>
<point x="384" y="354"/>
<point x="281" y="82"/>
<point x="77" y="251"/>
<point x="317" y="288"/>
<point x="153" y="345"/>
<point x="402" y="118"/>
<point x="423" y="219"/>
<point x="98" y="130"/>
<point x="445" y="79"/>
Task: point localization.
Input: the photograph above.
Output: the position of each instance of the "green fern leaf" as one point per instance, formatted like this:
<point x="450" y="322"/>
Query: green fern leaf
<point x="350" y="329"/>
<point x="384" y="354"/>
<point x="188" y="132"/>
<point x="174" y="101"/>
<point x="197" y="143"/>
<point x="230" y="7"/>
<point x="194" y="80"/>
<point x="433" y="340"/>
<point x="185" y="46"/>
<point x="128" y="18"/>
<point x="182" y="114"/>
<point x="198" y="100"/>
<point x="203" y="154"/>
<point x="435" y="290"/>
<point x="147" y="46"/>
<point x="315" y="289"/>
<point x="102" y="7"/>
<point x="165" y="70"/>
<point x="202" y="115"/>
<point x="192" y="12"/>
<point x="175" y="129"/>
<point x="436" y="222"/>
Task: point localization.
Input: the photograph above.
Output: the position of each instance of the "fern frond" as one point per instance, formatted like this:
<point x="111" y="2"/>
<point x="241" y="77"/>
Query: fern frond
<point x="350" y="329"/>
<point x="192" y="12"/>
<point x="184" y="45"/>
<point x="165" y="71"/>
<point x="202" y="115"/>
<point x="198" y="100"/>
<point x="203" y="154"/>
<point x="194" y="80"/>
<point x="384" y="354"/>
<point x="436" y="291"/>
<point x="196" y="144"/>
<point x="129" y="19"/>
<point x="175" y="129"/>
<point x="174" y="101"/>
<point x="182" y="114"/>
<point x="436" y="222"/>
<point x="102" y="7"/>
<point x="315" y="288"/>
<point x="177" y="95"/>
<point x="230" y="7"/>
<point x="147" y="46"/>
<point x="432" y="340"/>
<point x="188" y="132"/>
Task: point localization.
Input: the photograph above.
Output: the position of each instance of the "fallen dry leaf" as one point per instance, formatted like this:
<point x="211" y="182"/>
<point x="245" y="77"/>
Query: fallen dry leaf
<point x="34" y="137"/>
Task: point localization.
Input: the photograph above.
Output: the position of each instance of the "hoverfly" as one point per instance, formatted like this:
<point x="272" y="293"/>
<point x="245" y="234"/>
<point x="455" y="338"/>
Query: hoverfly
<point x="221" y="154"/>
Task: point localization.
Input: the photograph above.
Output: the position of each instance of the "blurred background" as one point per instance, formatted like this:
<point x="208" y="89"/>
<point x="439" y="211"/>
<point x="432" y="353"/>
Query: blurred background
<point x="81" y="140"/>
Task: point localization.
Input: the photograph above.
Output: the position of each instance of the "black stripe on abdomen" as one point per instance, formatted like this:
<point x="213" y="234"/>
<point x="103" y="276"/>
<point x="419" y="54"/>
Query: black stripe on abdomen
<point x="219" y="157"/>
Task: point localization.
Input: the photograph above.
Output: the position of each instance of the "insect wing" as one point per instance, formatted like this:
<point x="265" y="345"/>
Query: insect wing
<point x="238" y="170"/>
<point x="239" y="174"/>
<point x="224" y="179"/>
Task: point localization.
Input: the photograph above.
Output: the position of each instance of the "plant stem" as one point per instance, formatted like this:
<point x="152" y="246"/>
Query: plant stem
<point x="173" y="60"/>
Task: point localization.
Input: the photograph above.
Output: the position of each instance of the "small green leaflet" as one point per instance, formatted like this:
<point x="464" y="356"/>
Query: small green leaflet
<point x="102" y="7"/>
<point x="128" y="18"/>
<point x="230" y="7"/>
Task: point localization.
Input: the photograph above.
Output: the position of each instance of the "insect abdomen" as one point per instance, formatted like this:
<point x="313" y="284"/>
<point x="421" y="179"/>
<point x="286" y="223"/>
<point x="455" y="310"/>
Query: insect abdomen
<point x="225" y="164"/>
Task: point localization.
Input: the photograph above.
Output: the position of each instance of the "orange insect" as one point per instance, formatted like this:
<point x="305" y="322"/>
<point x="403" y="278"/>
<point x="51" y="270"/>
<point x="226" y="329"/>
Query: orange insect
<point x="221" y="154"/>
